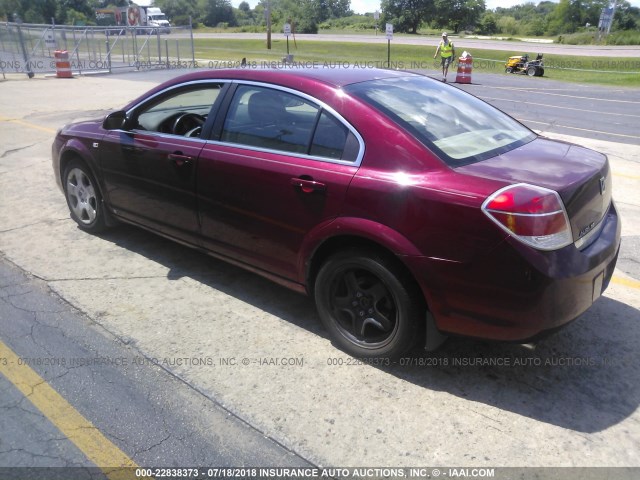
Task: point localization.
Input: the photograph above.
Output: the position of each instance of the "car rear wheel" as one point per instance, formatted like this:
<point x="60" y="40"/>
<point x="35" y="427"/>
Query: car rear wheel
<point x="367" y="303"/>
<point x="83" y="197"/>
<point x="532" y="71"/>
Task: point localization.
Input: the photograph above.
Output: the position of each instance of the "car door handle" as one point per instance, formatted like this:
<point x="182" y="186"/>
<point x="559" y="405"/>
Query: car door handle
<point x="308" y="186"/>
<point x="179" y="159"/>
<point x="133" y="150"/>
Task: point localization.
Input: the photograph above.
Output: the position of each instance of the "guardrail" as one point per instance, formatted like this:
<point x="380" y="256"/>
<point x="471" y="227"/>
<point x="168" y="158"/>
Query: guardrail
<point x="30" y="48"/>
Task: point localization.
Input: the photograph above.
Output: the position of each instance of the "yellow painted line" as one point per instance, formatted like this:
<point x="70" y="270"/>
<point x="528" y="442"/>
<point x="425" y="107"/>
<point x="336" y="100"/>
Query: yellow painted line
<point x="27" y="124"/>
<point x="624" y="175"/>
<point x="84" y="435"/>
<point x="626" y="282"/>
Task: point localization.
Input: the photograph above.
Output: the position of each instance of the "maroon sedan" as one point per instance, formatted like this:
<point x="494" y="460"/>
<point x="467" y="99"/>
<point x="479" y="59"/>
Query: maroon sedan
<point x="407" y="208"/>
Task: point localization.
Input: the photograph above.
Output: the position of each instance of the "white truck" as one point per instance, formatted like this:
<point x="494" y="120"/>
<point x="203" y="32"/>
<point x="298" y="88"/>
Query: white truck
<point x="143" y="19"/>
<point x="157" y="19"/>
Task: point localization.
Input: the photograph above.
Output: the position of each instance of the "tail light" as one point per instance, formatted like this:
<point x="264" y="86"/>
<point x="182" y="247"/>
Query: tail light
<point x="534" y="215"/>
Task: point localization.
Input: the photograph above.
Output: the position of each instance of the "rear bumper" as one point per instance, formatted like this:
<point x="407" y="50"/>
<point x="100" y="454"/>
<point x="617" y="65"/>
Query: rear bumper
<point x="516" y="293"/>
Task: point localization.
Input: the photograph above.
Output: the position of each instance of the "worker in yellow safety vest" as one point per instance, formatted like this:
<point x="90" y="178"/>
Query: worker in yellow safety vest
<point x="447" y="53"/>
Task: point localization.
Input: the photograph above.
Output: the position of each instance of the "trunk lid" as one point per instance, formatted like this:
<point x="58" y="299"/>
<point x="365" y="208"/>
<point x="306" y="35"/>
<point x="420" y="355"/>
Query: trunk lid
<point x="581" y="176"/>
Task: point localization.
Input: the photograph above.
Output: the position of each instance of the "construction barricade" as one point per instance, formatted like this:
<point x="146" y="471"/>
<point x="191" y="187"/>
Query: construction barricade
<point x="465" y="66"/>
<point x="63" y="66"/>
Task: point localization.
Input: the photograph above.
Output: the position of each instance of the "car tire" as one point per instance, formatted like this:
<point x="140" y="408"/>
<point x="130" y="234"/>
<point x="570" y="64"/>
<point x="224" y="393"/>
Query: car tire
<point x="508" y="70"/>
<point x="532" y="71"/>
<point x="368" y="304"/>
<point x="83" y="197"/>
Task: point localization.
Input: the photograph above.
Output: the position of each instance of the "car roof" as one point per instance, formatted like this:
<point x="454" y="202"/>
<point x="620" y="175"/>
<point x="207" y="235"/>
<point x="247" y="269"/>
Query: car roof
<point x="294" y="75"/>
<point x="303" y="78"/>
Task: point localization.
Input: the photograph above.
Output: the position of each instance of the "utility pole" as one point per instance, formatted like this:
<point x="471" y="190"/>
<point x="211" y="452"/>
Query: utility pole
<point x="268" y="15"/>
<point x="613" y="14"/>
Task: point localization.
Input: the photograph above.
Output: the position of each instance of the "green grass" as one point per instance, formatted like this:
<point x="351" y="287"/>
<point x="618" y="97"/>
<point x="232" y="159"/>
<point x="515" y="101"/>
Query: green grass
<point x="599" y="70"/>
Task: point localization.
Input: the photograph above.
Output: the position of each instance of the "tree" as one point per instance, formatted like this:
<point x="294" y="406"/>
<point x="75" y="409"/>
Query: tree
<point x="406" y="15"/>
<point x="179" y="11"/>
<point x="508" y="25"/>
<point x="567" y="17"/>
<point x="459" y="14"/>
<point x="42" y="11"/>
<point x="304" y="14"/>
<point x="73" y="11"/>
<point x="311" y="13"/>
<point x="488" y="23"/>
<point x="592" y="10"/>
<point x="244" y="14"/>
<point x="216" y="12"/>
<point x="626" y="17"/>
<point x="536" y="26"/>
<point x="339" y="8"/>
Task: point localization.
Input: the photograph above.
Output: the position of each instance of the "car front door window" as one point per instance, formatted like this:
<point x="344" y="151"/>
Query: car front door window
<point x="183" y="113"/>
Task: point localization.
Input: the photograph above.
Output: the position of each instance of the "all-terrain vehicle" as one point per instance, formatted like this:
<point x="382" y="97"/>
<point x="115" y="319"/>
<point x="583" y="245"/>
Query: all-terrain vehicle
<point x="521" y="64"/>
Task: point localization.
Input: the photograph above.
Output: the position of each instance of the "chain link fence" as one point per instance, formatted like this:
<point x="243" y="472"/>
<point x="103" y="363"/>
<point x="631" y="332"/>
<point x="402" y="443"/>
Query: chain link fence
<point x="30" y="48"/>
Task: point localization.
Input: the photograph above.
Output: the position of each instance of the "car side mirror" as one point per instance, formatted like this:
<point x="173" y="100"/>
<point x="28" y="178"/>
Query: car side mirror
<point x="116" y="121"/>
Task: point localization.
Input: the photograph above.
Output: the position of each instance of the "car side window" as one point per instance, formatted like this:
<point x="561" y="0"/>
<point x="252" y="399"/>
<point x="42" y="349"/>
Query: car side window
<point x="332" y="139"/>
<point x="270" y="119"/>
<point x="179" y="113"/>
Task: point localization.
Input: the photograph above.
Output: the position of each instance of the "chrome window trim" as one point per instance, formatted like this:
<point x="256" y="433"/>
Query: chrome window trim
<point x="168" y="136"/>
<point x="172" y="87"/>
<point x="301" y="156"/>
<point x="315" y="101"/>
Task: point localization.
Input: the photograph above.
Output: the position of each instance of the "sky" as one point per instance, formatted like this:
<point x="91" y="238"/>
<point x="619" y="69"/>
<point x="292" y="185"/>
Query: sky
<point x="364" y="6"/>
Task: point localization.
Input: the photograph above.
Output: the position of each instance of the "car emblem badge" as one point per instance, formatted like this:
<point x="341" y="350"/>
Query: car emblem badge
<point x="603" y="186"/>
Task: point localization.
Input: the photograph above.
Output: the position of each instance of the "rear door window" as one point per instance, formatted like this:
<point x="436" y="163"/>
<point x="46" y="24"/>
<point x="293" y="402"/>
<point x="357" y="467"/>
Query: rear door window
<point x="271" y="119"/>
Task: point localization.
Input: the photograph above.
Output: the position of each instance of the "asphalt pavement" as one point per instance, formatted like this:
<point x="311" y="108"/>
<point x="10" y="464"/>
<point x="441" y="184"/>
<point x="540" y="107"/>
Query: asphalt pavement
<point x="280" y="393"/>
<point x="550" y="106"/>
<point x="149" y="413"/>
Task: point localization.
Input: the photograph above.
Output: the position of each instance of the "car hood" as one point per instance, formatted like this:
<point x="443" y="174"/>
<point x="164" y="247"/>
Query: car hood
<point x="83" y="125"/>
<point x="581" y="176"/>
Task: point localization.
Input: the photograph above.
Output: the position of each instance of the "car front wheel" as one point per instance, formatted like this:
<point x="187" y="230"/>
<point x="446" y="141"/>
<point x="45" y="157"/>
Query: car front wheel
<point x="368" y="304"/>
<point x="83" y="197"/>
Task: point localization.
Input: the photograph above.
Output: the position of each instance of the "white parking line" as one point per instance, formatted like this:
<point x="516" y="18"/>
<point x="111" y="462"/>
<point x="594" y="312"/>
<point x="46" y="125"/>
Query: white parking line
<point x="576" y="128"/>
<point x="560" y="107"/>
<point x="564" y="95"/>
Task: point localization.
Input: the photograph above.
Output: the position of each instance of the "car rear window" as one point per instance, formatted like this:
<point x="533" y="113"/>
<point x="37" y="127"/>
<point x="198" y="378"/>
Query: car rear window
<point x="459" y="127"/>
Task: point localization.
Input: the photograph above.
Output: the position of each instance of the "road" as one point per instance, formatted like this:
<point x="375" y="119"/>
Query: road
<point x="572" y="401"/>
<point x="586" y="111"/>
<point x="461" y="43"/>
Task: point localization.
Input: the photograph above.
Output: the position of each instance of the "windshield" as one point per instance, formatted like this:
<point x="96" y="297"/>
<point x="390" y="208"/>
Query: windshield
<point x="459" y="127"/>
